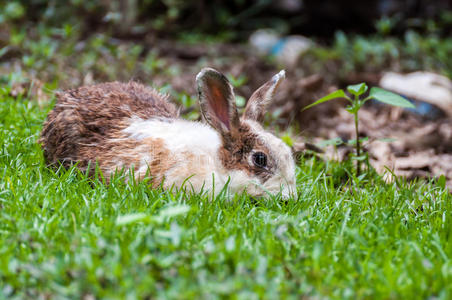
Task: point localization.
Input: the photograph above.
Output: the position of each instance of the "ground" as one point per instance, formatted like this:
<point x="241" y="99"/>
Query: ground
<point x="63" y="235"/>
<point x="67" y="236"/>
<point x="172" y="65"/>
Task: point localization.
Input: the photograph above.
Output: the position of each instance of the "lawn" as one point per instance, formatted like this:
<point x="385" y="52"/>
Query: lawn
<point x="63" y="235"/>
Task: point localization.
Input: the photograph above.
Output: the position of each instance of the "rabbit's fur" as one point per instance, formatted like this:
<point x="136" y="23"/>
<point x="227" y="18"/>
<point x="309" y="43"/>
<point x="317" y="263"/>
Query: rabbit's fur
<point x="127" y="125"/>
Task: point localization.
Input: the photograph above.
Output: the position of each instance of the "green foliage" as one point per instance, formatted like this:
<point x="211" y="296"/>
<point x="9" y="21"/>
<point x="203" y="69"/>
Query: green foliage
<point x="78" y="42"/>
<point x="357" y="90"/>
<point x="236" y="83"/>
<point x="287" y="139"/>
<point x="64" y="235"/>
<point x="239" y="81"/>
<point x="334" y="95"/>
<point x="379" y="52"/>
<point x="13" y="10"/>
<point x="185" y="19"/>
<point x="385" y="25"/>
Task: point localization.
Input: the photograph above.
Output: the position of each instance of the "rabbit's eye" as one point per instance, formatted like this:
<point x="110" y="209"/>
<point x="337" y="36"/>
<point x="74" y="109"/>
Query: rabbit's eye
<point x="260" y="159"/>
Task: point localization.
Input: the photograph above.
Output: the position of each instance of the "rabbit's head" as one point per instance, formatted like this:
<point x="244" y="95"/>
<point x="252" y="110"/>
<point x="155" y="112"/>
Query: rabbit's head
<point x="255" y="159"/>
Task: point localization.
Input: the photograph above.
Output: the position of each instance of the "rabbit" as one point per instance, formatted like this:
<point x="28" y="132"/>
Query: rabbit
<point x="128" y="125"/>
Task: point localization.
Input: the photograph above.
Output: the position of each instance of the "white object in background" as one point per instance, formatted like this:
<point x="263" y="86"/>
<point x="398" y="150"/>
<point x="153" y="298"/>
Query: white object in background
<point x="423" y="86"/>
<point x="263" y="40"/>
<point x="292" y="48"/>
<point x="286" y="50"/>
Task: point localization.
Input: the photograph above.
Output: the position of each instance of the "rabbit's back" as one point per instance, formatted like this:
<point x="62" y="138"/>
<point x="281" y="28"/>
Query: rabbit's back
<point x="86" y="122"/>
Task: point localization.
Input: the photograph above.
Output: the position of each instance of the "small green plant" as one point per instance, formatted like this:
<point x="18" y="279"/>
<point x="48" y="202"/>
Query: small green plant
<point x="357" y="100"/>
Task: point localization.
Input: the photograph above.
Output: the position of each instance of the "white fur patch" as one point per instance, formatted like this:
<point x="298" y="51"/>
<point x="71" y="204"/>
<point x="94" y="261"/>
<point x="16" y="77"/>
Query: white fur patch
<point x="177" y="134"/>
<point x="193" y="148"/>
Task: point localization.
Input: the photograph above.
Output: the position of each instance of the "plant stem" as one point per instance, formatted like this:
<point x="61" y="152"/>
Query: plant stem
<point x="358" y="146"/>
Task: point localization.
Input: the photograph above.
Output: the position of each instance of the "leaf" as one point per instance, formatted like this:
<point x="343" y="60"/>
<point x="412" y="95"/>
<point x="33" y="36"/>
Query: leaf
<point x="240" y="101"/>
<point x="287" y="139"/>
<point x="131" y="218"/>
<point x="361" y="140"/>
<point x="230" y="243"/>
<point x="389" y="98"/>
<point x="387" y="140"/>
<point x="334" y="141"/>
<point x="357" y="89"/>
<point x="333" y="95"/>
<point x="352" y="108"/>
<point x="4" y="50"/>
<point x="359" y="158"/>
<point x="173" y="211"/>
<point x="442" y="181"/>
<point x="174" y="234"/>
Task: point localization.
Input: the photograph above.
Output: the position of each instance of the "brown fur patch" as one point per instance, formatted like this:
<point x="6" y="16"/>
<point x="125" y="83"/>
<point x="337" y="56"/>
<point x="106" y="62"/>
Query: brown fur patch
<point x="235" y="152"/>
<point x="194" y="164"/>
<point x="161" y="160"/>
<point x="85" y="124"/>
<point x="111" y="156"/>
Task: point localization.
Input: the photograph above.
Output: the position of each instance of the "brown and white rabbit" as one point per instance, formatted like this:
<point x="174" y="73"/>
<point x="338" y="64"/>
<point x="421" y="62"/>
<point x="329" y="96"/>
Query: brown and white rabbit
<point x="127" y="125"/>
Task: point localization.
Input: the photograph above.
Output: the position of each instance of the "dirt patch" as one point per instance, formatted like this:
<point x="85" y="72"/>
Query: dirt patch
<point x="410" y="145"/>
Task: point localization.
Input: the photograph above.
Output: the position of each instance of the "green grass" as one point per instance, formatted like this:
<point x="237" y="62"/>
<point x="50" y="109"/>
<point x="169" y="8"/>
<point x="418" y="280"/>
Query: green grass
<point x="65" y="236"/>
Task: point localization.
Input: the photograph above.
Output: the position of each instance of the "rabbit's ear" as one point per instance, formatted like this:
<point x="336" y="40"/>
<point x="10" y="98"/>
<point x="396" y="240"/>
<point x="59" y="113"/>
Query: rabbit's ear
<point x="259" y="100"/>
<point x="217" y="101"/>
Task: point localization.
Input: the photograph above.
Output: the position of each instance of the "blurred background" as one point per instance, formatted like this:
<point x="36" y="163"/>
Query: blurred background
<point x="401" y="45"/>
